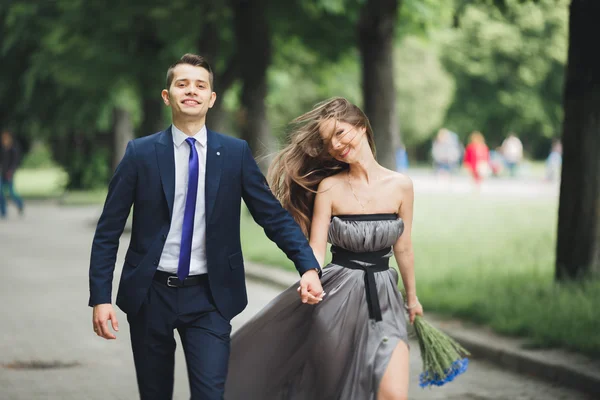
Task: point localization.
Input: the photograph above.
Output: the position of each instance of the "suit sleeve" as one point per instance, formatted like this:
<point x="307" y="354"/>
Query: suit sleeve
<point x="278" y="224"/>
<point x="121" y="194"/>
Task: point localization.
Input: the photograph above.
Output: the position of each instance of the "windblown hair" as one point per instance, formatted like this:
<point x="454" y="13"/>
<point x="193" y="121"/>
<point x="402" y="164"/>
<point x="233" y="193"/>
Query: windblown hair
<point x="296" y="171"/>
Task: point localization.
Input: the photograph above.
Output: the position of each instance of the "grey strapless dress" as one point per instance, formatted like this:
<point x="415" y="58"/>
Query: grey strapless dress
<point x="336" y="349"/>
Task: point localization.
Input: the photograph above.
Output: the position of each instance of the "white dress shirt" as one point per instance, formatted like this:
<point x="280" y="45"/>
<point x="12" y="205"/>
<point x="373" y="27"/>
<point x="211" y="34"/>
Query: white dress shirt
<point x="169" y="259"/>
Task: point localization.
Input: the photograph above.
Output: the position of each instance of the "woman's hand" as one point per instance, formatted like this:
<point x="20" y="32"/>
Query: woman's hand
<point x="310" y="289"/>
<point x="414" y="309"/>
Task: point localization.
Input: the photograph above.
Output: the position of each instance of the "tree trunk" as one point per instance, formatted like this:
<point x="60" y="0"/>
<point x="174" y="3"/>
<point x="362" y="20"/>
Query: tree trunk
<point x="218" y="117"/>
<point x="83" y="156"/>
<point x="149" y="46"/>
<point x="211" y="47"/>
<point x="376" y="33"/>
<point x="152" y="107"/>
<point x="123" y="133"/>
<point x="578" y="242"/>
<point x="253" y="46"/>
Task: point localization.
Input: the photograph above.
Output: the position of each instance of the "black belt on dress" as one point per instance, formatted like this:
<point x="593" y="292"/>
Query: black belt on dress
<point x="172" y="280"/>
<point x="379" y="262"/>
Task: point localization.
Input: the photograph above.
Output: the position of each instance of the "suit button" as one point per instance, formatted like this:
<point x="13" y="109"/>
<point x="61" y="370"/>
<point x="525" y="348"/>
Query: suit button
<point x="156" y="262"/>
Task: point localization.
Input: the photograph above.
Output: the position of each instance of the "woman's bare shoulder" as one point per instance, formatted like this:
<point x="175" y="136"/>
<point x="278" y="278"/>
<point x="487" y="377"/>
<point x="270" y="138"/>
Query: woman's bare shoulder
<point x="329" y="183"/>
<point x="399" y="180"/>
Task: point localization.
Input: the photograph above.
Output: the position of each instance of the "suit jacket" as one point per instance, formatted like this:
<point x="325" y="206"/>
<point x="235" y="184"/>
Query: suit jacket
<point x="145" y="178"/>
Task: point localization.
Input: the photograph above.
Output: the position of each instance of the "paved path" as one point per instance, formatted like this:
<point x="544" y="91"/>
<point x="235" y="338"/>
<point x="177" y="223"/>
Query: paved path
<point x="44" y="317"/>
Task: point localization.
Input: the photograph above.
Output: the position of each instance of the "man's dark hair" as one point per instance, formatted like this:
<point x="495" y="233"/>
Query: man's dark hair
<point x="191" y="59"/>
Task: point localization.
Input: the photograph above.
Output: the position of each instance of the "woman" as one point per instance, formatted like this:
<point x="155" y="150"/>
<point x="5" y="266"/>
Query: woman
<point x="353" y="344"/>
<point x="477" y="157"/>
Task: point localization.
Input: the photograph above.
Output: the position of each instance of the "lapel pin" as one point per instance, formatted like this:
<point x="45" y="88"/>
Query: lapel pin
<point x="218" y="153"/>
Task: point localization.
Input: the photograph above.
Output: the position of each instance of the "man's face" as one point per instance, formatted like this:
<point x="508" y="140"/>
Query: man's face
<point x="6" y="139"/>
<point x="190" y="95"/>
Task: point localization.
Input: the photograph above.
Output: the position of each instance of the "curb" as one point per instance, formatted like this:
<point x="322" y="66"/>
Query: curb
<point x="567" y="369"/>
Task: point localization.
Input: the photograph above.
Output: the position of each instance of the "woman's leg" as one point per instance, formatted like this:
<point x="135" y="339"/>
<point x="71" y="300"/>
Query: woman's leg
<point x="394" y="384"/>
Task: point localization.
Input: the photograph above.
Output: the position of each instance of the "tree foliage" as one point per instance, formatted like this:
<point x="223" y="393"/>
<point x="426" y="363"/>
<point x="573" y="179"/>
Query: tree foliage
<point x="508" y="64"/>
<point x="424" y="89"/>
<point x="72" y="62"/>
<point x="67" y="65"/>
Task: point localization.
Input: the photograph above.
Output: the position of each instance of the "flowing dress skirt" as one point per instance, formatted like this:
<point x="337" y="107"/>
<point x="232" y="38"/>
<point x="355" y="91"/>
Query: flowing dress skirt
<point x="329" y="351"/>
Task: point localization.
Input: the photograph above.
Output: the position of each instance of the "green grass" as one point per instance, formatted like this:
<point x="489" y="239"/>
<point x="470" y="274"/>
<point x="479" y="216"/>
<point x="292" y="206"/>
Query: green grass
<point x="479" y="258"/>
<point x="43" y="183"/>
<point x="49" y="183"/>
<point x="490" y="261"/>
<point x="83" y="197"/>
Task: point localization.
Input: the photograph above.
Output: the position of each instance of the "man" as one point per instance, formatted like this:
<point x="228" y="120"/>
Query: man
<point x="184" y="268"/>
<point x="10" y="157"/>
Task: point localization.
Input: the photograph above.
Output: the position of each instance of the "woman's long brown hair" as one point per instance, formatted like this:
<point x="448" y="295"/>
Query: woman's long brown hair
<point x="296" y="171"/>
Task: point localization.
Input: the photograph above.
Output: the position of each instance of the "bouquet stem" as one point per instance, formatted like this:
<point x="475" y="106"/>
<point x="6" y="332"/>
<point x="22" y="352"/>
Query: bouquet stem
<point x="443" y="357"/>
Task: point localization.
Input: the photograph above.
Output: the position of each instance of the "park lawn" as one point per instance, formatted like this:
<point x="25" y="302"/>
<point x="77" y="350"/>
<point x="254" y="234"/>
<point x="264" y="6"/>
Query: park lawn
<point x="49" y="183"/>
<point x="479" y="258"/>
<point x="42" y="183"/>
<point x="83" y="197"/>
<point x="488" y="260"/>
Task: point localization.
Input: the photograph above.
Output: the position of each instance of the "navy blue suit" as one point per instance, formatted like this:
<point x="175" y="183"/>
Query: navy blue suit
<point x="145" y="179"/>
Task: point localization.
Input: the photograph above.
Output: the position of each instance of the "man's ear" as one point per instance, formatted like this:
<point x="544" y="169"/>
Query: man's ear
<point x="165" y="96"/>
<point x="213" y="98"/>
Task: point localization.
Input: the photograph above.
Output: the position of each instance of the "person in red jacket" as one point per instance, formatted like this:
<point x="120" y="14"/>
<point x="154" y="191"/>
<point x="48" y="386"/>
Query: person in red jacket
<point x="477" y="157"/>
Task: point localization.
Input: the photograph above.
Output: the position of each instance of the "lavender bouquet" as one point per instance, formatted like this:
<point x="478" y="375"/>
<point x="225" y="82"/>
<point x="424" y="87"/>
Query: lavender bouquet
<point x="443" y="358"/>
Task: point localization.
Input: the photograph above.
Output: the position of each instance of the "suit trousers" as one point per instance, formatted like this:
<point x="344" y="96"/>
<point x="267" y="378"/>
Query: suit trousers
<point x="204" y="333"/>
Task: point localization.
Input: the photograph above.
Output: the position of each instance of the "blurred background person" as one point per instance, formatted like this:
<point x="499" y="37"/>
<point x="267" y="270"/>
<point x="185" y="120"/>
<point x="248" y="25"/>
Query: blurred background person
<point x="554" y="161"/>
<point x="497" y="162"/>
<point x="10" y="157"/>
<point x="477" y="157"/>
<point x="446" y="151"/>
<point x="512" y="151"/>
<point x="401" y="159"/>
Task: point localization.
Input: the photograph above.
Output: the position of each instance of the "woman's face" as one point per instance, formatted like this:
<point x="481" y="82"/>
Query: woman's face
<point x="344" y="141"/>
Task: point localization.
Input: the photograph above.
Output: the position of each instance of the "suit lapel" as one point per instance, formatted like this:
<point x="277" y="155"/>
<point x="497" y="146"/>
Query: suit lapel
<point x="214" y="164"/>
<point x="166" y="163"/>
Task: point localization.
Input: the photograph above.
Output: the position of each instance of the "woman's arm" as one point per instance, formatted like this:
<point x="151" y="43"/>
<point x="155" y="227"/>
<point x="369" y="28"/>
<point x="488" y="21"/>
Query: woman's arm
<point x="320" y="220"/>
<point x="403" y="248"/>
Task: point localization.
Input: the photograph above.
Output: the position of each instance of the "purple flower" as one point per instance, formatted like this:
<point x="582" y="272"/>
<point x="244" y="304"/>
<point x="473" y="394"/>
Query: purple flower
<point x="428" y="378"/>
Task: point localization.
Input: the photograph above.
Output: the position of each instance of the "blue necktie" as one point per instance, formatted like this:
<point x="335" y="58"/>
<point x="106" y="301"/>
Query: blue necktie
<point x="187" y="231"/>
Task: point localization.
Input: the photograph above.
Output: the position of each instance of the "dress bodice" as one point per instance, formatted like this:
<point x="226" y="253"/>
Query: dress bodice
<point x="365" y="233"/>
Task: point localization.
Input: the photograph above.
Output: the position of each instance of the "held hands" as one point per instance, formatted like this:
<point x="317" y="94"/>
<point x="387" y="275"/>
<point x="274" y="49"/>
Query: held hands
<point x="103" y="313"/>
<point x="310" y="289"/>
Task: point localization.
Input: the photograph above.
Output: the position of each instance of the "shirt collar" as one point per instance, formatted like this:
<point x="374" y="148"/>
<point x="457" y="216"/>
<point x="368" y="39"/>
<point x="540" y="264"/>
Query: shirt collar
<point x="179" y="137"/>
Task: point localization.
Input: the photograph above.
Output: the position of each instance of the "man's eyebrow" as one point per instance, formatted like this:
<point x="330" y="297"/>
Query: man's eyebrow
<point x="188" y="79"/>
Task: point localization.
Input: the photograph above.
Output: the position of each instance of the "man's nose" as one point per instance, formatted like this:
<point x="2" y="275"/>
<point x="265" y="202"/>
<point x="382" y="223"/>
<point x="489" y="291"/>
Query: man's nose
<point x="191" y="90"/>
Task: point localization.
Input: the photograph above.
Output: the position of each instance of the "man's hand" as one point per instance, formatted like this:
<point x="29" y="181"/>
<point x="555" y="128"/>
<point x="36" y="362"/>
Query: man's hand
<point x="311" y="291"/>
<point x="103" y="313"/>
